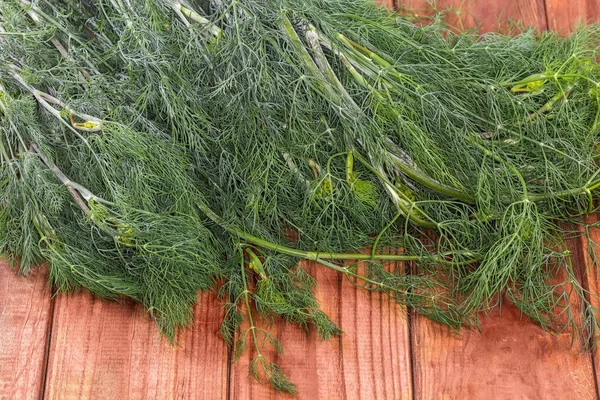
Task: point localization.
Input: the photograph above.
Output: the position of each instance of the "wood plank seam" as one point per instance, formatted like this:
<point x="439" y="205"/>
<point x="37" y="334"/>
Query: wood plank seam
<point x="48" y="344"/>
<point x="582" y="275"/>
<point x="411" y="357"/>
<point x="25" y="304"/>
<point x="340" y="281"/>
<point x="546" y="16"/>
<point x="230" y="366"/>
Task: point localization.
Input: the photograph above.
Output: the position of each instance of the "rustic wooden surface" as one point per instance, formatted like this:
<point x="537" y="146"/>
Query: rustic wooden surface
<point x="80" y="347"/>
<point x="371" y="360"/>
<point x="511" y="358"/>
<point x="563" y="15"/>
<point x="106" y="350"/>
<point x="591" y="276"/>
<point x="25" y="322"/>
<point x="487" y="15"/>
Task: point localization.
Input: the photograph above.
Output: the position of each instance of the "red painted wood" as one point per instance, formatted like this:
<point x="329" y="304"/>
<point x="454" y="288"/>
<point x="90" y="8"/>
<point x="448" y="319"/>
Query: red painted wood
<point x="564" y="15"/>
<point x="488" y="16"/>
<point x="590" y="271"/>
<point x="371" y="360"/>
<point x="25" y="316"/>
<point x="106" y="350"/>
<point x="386" y="3"/>
<point x="512" y="358"/>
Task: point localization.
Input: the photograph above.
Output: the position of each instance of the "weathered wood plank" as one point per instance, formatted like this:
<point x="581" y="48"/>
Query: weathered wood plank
<point x="370" y="360"/>
<point x="564" y="15"/>
<point x="25" y="318"/>
<point x="512" y="358"/>
<point x="488" y="15"/>
<point x="590" y="273"/>
<point x="387" y="3"/>
<point x="106" y="350"/>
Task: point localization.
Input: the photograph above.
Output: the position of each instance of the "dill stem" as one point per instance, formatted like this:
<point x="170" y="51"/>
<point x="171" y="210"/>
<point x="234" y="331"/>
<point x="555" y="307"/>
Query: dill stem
<point x="3" y="151"/>
<point x="431" y="224"/>
<point x="412" y="172"/>
<point x="496" y="157"/>
<point x="597" y="116"/>
<point x="388" y="226"/>
<point x="541" y="77"/>
<point x="194" y="16"/>
<point x="374" y="56"/>
<point x="5" y="155"/>
<point x="380" y="284"/>
<point x="431" y="183"/>
<point x="247" y="302"/>
<point x="320" y="80"/>
<point x="565" y="193"/>
<point x="317" y="255"/>
<point x="45" y="99"/>
<point x="77" y="197"/>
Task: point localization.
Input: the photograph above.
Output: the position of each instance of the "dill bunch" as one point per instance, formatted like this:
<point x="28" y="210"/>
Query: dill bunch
<point x="152" y="149"/>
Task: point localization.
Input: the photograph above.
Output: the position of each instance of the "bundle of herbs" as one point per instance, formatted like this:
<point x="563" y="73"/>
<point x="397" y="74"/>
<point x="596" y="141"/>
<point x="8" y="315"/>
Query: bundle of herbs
<point x="152" y="149"/>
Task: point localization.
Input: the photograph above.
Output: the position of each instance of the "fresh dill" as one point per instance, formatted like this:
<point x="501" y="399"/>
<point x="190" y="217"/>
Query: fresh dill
<point x="152" y="149"/>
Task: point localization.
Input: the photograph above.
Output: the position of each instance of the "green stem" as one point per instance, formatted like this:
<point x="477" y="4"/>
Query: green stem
<point x="541" y="197"/>
<point x="92" y="124"/>
<point x="313" y="69"/>
<point x="4" y="154"/>
<point x="317" y="255"/>
<point x="565" y="193"/>
<point x="431" y="183"/>
<point x="350" y="167"/>
<point x="369" y="53"/>
<point x="431" y="224"/>
<point x="247" y="302"/>
<point x="194" y="16"/>
<point x="411" y="172"/>
<point x="77" y="196"/>
<point x="378" y="238"/>
<point x="496" y="157"/>
<point x="597" y="116"/>
<point x="540" y="77"/>
<point x="324" y="67"/>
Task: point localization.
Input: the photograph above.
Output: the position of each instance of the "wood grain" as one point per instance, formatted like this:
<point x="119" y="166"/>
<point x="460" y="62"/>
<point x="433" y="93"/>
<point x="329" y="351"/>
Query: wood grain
<point x="371" y="360"/>
<point x="488" y="16"/>
<point x="25" y="317"/>
<point x="104" y="350"/>
<point x="563" y="15"/>
<point x="513" y="358"/>
<point x="590" y="273"/>
<point x="386" y="3"/>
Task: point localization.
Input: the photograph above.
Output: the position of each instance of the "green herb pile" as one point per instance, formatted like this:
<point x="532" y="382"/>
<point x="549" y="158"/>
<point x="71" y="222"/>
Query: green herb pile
<point x="152" y="149"/>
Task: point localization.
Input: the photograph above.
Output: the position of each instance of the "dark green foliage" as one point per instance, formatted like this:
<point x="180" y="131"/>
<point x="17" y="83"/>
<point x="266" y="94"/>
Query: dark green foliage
<point x="153" y="149"/>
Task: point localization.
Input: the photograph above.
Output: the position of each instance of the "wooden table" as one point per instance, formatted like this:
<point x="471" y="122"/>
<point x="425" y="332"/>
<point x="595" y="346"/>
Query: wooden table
<point x="80" y="347"/>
